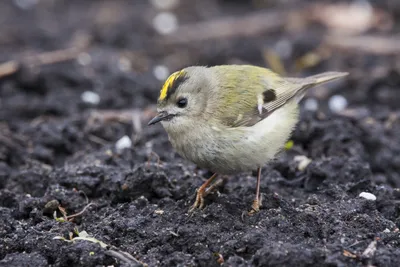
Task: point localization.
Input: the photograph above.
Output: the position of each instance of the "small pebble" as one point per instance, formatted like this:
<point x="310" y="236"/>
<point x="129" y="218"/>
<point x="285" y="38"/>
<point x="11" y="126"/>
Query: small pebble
<point x="51" y="206"/>
<point x="164" y="4"/>
<point x="311" y="104"/>
<point x="124" y="142"/>
<point x="90" y="97"/>
<point x="84" y="59"/>
<point x="161" y="72"/>
<point x="165" y="23"/>
<point x="386" y="231"/>
<point x="337" y="103"/>
<point x="124" y="64"/>
<point x="25" y="4"/>
<point x="302" y="162"/>
<point x="159" y="212"/>
<point x="367" y="195"/>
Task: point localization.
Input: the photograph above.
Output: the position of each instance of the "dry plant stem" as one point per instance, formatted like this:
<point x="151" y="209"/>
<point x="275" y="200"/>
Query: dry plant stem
<point x="63" y="212"/>
<point x="97" y="140"/>
<point x="137" y="121"/>
<point x="84" y="194"/>
<point x="123" y="256"/>
<point x="152" y="153"/>
<point x="68" y="218"/>
<point x="10" y="67"/>
<point x="370" y="250"/>
<point x="122" y="116"/>
<point x="255" y="207"/>
<point x="79" y="213"/>
<point x="228" y="27"/>
<point x="199" y="203"/>
<point x="374" y="44"/>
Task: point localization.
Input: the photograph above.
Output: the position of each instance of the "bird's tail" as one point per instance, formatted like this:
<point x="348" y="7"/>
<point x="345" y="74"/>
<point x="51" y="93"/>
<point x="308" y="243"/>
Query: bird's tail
<point x="324" y="77"/>
<point x="311" y="81"/>
<point x="318" y="78"/>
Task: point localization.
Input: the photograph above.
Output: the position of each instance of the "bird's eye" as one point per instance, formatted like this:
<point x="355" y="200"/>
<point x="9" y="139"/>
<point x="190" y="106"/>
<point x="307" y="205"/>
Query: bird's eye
<point x="182" y="102"/>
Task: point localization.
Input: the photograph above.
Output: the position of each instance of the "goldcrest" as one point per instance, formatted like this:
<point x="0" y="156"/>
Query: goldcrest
<point x="231" y="118"/>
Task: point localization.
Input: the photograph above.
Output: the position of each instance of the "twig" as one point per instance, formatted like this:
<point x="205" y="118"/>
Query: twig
<point x="12" y="66"/>
<point x="79" y="213"/>
<point x="152" y="153"/>
<point x="381" y="45"/>
<point x="136" y="121"/>
<point x="248" y="25"/>
<point x="108" y="249"/>
<point x="123" y="256"/>
<point x="8" y="68"/>
<point x="370" y="250"/>
<point x="122" y="116"/>
<point x="84" y="194"/>
<point x="97" y="140"/>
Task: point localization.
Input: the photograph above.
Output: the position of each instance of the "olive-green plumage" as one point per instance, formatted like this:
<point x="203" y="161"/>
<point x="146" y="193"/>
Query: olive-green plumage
<point x="232" y="118"/>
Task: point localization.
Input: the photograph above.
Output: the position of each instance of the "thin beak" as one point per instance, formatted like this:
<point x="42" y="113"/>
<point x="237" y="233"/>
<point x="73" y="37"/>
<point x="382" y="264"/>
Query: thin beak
<point x="160" y="116"/>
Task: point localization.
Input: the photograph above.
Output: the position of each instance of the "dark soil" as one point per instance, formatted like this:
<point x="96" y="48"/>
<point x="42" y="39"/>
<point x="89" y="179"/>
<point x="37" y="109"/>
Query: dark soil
<point x="57" y="149"/>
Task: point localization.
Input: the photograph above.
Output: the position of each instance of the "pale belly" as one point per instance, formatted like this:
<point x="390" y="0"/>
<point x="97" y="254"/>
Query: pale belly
<point x="228" y="151"/>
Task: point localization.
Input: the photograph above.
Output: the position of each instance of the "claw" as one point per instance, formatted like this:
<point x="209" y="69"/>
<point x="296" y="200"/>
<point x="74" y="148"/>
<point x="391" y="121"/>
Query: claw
<point x="199" y="203"/>
<point x="255" y="207"/>
<point x="201" y="193"/>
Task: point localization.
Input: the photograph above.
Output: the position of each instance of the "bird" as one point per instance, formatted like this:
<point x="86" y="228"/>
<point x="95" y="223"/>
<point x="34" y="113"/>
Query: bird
<point x="230" y="119"/>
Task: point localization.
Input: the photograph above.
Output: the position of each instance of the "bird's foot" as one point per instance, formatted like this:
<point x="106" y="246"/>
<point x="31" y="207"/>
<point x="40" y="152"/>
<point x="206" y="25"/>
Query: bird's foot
<point x="204" y="190"/>
<point x="199" y="203"/>
<point x="255" y="207"/>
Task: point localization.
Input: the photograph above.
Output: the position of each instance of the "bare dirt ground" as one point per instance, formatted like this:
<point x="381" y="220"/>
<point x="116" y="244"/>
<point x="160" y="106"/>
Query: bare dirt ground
<point x="61" y="173"/>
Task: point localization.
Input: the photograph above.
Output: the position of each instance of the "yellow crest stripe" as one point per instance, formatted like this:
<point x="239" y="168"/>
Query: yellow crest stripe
<point x="169" y="82"/>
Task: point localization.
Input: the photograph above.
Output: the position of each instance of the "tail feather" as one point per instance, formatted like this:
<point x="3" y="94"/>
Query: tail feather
<point x="297" y="88"/>
<point x="318" y="78"/>
<point x="325" y="77"/>
<point x="313" y="80"/>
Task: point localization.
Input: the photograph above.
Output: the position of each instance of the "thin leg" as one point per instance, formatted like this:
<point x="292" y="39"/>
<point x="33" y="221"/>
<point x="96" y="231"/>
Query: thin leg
<point x="199" y="203"/>
<point x="255" y="207"/>
<point x="212" y="187"/>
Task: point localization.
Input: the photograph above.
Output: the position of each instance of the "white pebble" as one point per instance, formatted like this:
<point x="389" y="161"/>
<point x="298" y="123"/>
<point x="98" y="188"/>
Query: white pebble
<point x="90" y="97"/>
<point x="25" y="4"/>
<point x="311" y="104"/>
<point x="84" y="59"/>
<point x="337" y="103"/>
<point x="159" y="212"/>
<point x="161" y="72"/>
<point x="386" y="231"/>
<point x="164" y="4"/>
<point x="165" y="23"/>
<point x="124" y="142"/>
<point x="302" y="162"/>
<point x="367" y="195"/>
<point x="124" y="64"/>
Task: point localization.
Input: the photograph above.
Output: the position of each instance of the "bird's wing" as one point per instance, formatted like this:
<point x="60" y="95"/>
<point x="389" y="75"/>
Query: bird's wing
<point x="264" y="102"/>
<point x="269" y="92"/>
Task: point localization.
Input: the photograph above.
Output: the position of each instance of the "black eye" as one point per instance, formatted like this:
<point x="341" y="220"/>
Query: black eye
<point x="182" y="102"/>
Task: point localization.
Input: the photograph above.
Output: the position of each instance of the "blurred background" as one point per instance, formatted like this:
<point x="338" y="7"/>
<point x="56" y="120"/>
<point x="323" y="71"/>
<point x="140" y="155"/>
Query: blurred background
<point x="60" y="57"/>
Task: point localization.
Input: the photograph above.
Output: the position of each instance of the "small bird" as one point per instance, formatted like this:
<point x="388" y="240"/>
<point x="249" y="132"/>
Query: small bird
<point x="231" y="118"/>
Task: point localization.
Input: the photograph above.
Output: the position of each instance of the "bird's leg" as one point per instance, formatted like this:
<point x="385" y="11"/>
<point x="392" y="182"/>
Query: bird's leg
<point x="212" y="187"/>
<point x="255" y="207"/>
<point x="201" y="192"/>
